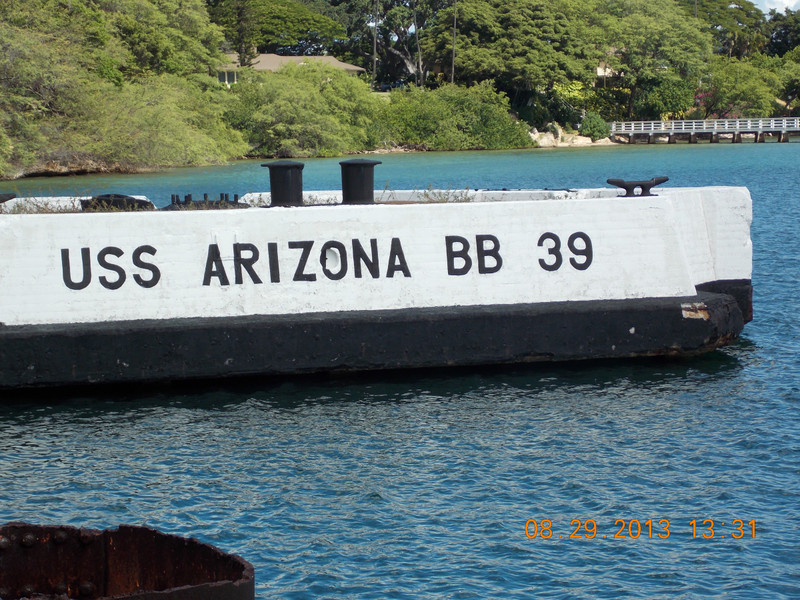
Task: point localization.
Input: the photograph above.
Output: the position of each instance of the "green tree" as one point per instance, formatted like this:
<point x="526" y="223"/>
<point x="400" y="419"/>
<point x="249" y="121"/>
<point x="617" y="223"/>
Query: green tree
<point x="737" y="88"/>
<point x="6" y="148"/>
<point x="651" y="43"/>
<point x="526" y="47"/>
<point x="738" y="27"/>
<point x="397" y="27"/>
<point x="239" y="20"/>
<point x="283" y="26"/>
<point x="783" y="30"/>
<point x="666" y="97"/>
<point x="168" y="121"/>
<point x="40" y="82"/>
<point x="790" y="80"/>
<point x="166" y="36"/>
<point x="132" y="37"/>
<point x="400" y="28"/>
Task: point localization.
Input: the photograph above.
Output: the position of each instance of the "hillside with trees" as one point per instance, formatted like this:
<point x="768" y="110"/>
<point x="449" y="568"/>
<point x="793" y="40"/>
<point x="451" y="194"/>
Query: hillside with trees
<point x="126" y="85"/>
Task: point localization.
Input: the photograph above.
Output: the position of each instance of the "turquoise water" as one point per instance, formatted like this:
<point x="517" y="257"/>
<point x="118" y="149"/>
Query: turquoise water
<point x="419" y="484"/>
<point x="726" y="164"/>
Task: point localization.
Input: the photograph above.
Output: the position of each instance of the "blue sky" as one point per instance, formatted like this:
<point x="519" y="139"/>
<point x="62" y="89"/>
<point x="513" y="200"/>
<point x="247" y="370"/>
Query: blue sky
<point x="765" y="5"/>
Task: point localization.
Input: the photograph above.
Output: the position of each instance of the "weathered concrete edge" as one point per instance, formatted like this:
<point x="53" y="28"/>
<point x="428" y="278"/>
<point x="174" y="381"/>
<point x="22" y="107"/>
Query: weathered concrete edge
<point x="152" y="350"/>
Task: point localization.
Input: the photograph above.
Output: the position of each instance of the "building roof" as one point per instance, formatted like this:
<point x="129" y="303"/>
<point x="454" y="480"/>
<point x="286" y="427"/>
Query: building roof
<point x="273" y="62"/>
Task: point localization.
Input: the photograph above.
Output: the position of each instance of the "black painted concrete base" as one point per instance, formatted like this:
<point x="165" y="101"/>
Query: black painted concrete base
<point x="149" y="351"/>
<point x="740" y="289"/>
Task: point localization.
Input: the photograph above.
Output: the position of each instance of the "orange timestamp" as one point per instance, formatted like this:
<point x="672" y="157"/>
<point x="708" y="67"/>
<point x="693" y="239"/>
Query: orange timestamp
<point x="635" y="528"/>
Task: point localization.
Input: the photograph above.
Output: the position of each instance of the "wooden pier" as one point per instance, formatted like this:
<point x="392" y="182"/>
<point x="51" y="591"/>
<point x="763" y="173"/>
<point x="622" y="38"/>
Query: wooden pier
<point x="711" y="130"/>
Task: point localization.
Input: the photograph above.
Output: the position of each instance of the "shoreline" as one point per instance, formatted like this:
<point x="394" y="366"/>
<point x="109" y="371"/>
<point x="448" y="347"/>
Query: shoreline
<point x="52" y="169"/>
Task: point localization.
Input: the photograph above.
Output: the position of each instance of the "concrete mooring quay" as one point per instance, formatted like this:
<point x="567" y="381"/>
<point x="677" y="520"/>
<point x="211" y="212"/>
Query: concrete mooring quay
<point x="712" y="130"/>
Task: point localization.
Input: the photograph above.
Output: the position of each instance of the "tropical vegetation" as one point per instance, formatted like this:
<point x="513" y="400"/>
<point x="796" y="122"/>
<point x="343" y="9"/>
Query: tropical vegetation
<point x="125" y="85"/>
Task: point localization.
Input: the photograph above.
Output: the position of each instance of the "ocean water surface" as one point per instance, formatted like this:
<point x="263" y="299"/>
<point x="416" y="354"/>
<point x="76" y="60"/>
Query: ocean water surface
<point x="420" y="484"/>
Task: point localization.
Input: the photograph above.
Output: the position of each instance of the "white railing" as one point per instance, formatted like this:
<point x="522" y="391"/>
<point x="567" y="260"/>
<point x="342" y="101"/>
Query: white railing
<point x="708" y="126"/>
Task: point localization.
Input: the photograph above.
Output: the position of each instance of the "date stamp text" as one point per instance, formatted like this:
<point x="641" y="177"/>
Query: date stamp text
<point x="588" y="529"/>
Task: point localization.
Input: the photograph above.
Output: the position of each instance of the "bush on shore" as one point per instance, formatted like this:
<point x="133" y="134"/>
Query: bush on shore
<point x="454" y="117"/>
<point x="595" y="127"/>
<point x="303" y="110"/>
<point x="162" y="121"/>
<point x="122" y="86"/>
<point x="169" y="121"/>
<point x="315" y="110"/>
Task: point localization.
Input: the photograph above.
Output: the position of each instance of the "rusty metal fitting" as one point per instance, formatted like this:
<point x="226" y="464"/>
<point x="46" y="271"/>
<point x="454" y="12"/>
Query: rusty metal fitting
<point x="87" y="589"/>
<point x="87" y="536"/>
<point x="60" y="536"/>
<point x="127" y="563"/>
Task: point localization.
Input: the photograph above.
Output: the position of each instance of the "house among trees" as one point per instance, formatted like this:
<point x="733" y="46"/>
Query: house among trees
<point x="272" y="62"/>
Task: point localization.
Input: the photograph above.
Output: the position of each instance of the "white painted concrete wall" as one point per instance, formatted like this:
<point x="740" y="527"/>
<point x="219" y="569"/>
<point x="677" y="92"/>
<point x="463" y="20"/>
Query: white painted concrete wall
<point x="642" y="247"/>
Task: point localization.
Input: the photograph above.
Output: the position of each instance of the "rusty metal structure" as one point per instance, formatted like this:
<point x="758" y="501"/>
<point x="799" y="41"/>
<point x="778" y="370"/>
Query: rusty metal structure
<point x="39" y="562"/>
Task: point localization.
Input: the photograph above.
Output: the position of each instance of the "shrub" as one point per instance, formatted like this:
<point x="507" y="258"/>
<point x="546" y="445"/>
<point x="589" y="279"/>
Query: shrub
<point x="55" y="109"/>
<point x="304" y="110"/>
<point x="595" y="127"/>
<point x="168" y="121"/>
<point x="454" y="118"/>
<point x="5" y="151"/>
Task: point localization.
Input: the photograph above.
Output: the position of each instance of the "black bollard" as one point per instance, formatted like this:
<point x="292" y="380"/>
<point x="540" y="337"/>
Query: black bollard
<point x="358" y="181"/>
<point x="285" y="182"/>
<point x="644" y="186"/>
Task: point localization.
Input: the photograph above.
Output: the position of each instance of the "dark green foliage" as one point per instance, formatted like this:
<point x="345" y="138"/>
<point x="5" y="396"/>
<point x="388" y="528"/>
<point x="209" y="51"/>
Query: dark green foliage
<point x="656" y="45"/>
<point x="454" y="118"/>
<point x="738" y="27"/>
<point x="401" y="26"/>
<point x="790" y="80"/>
<point x="738" y="88"/>
<point x="665" y="97"/>
<point x="783" y="30"/>
<point x="522" y="45"/>
<point x="550" y="107"/>
<point x="278" y="26"/>
<point x="595" y="127"/>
